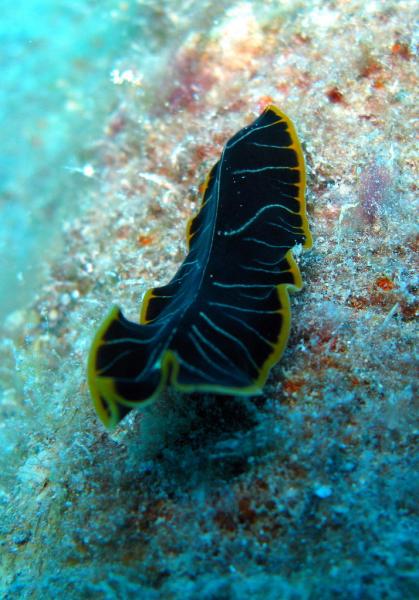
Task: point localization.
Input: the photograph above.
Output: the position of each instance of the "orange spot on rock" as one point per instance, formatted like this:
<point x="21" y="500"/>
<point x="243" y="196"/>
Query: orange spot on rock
<point x="283" y="87"/>
<point x="145" y="240"/>
<point x="335" y="96"/>
<point x="220" y="139"/>
<point x="384" y="283"/>
<point x="264" y="102"/>
<point x="290" y="386"/>
<point x="400" y="49"/>
<point x="370" y="68"/>
<point x="409" y="311"/>
<point x="358" y="302"/>
<point x="378" y="84"/>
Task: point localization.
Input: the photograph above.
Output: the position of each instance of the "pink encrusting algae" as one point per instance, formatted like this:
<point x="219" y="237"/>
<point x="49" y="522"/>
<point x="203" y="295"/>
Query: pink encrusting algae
<point x="375" y="189"/>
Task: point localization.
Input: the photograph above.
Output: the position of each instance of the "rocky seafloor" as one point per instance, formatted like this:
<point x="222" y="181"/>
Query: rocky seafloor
<point x="310" y="490"/>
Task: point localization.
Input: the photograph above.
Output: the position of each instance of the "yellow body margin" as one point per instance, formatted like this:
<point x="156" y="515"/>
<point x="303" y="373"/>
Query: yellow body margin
<point x="302" y="185"/>
<point x="102" y="389"/>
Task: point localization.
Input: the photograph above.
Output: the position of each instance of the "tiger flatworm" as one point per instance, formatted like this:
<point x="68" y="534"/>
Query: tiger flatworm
<point x="223" y="320"/>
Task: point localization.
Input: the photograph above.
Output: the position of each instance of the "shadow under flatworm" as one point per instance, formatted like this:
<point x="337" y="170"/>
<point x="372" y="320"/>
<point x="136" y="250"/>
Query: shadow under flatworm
<point x="223" y="320"/>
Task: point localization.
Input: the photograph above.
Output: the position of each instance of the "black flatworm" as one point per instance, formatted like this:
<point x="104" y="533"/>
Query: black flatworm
<point x="223" y="320"/>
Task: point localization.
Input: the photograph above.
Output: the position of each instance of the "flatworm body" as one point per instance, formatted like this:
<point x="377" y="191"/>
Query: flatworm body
<point x="223" y="320"/>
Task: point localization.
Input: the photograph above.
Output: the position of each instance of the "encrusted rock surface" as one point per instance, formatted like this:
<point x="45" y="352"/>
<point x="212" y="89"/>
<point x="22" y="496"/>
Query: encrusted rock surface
<point x="308" y="491"/>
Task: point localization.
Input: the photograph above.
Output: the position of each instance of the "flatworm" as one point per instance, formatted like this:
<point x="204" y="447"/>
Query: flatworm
<point x="223" y="320"/>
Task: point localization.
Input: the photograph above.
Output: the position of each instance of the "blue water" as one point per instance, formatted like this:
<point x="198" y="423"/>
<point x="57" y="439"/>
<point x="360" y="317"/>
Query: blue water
<point x="55" y="92"/>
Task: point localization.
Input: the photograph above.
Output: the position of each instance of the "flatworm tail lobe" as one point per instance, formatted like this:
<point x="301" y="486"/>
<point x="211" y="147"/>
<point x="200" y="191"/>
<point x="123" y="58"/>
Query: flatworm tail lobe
<point x="223" y="320"/>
